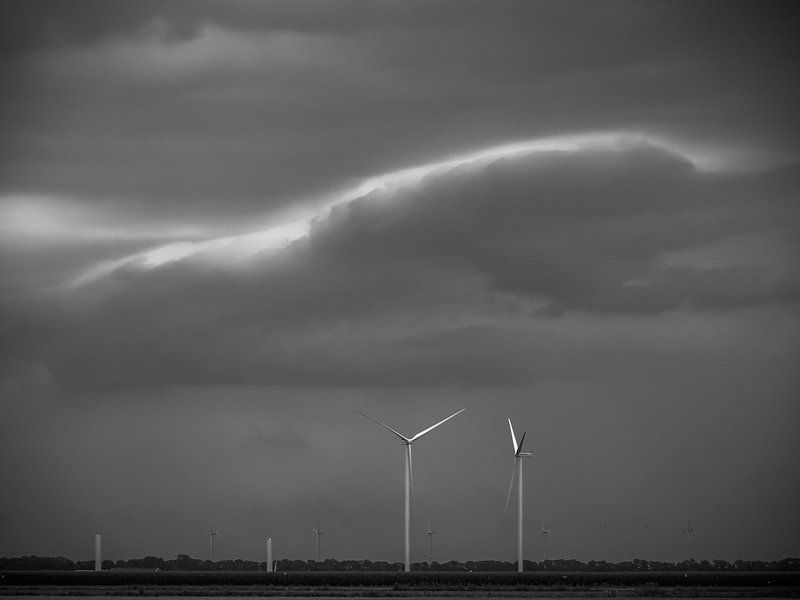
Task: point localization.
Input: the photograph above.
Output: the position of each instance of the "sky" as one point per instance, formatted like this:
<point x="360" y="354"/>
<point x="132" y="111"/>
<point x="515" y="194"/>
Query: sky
<point x="227" y="226"/>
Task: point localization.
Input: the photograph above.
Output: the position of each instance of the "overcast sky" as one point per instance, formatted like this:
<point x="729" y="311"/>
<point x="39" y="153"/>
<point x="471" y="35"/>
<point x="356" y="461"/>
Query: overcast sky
<point x="226" y="226"/>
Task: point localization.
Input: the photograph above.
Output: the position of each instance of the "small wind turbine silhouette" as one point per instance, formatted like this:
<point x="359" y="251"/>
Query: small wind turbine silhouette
<point x="689" y="531"/>
<point x="430" y="534"/>
<point x="545" y="533"/>
<point x="518" y="456"/>
<point x="269" y="555"/>
<point x="319" y="533"/>
<point x="211" y="533"/>
<point x="406" y="441"/>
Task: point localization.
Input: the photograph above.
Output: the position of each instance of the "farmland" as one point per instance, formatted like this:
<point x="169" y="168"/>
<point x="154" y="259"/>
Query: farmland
<point x="374" y="584"/>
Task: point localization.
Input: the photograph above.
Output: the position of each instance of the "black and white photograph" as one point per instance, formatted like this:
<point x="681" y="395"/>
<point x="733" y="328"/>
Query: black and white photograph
<point x="495" y="292"/>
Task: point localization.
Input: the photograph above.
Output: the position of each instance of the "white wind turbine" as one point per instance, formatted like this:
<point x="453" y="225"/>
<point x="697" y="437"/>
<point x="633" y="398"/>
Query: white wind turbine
<point x="407" y="441"/>
<point x="689" y="531"/>
<point x="319" y="533"/>
<point x="518" y="456"/>
<point x="430" y="534"/>
<point x="211" y="533"/>
<point x="545" y="533"/>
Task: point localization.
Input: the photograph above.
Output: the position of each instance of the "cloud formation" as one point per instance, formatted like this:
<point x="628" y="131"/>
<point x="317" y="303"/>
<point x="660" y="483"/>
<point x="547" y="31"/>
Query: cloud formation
<point x="411" y="284"/>
<point x="181" y="105"/>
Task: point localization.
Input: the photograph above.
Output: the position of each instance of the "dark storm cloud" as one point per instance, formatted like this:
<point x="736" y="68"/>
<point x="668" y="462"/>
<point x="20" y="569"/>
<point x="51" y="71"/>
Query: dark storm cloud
<point x="452" y="279"/>
<point x="585" y="232"/>
<point x="43" y="22"/>
<point x="259" y="103"/>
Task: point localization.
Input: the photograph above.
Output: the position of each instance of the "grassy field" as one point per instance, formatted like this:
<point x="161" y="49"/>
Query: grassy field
<point x="444" y="584"/>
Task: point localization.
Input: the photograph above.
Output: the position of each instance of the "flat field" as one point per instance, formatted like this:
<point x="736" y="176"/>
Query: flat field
<point x="405" y="585"/>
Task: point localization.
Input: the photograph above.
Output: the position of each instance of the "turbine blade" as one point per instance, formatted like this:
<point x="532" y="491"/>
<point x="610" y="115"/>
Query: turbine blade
<point x="521" y="441"/>
<point x="432" y="427"/>
<point x="400" y="435"/>
<point x="513" y="437"/>
<point x="410" y="471"/>
<point x="511" y="485"/>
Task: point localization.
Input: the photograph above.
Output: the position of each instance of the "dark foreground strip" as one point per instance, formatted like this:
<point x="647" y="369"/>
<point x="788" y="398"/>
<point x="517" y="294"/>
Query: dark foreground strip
<point x="400" y="581"/>
<point x="550" y="592"/>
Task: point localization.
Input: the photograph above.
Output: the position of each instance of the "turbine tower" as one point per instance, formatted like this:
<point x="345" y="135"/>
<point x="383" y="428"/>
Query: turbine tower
<point x="545" y="533"/>
<point x="211" y="533"/>
<point x="318" y="532"/>
<point x="689" y="531"/>
<point x="98" y="552"/>
<point x="407" y="441"/>
<point x="518" y="456"/>
<point x="269" y="556"/>
<point x="430" y="533"/>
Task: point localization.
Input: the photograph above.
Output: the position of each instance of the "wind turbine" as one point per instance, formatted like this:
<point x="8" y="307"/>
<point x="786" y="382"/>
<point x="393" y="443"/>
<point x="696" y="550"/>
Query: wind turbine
<point x="407" y="441"/>
<point x="211" y="533"/>
<point x="545" y="533"/>
<point x="430" y="533"/>
<point x="269" y="555"/>
<point x="689" y="531"/>
<point x="518" y="456"/>
<point x="318" y="532"/>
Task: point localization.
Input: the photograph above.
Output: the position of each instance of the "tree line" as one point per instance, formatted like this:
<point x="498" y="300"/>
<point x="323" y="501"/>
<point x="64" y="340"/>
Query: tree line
<point x="184" y="562"/>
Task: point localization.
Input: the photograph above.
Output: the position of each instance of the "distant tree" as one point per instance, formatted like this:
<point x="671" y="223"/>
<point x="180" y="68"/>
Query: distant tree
<point x="721" y="565"/>
<point x="184" y="562"/>
<point x="151" y="562"/>
<point x="36" y="563"/>
<point x="788" y="564"/>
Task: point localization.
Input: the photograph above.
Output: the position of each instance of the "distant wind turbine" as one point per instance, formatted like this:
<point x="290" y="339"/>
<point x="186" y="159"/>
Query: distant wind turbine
<point x="319" y="533"/>
<point x="211" y="533"/>
<point x="545" y="533"/>
<point x="269" y="555"/>
<point x="407" y="441"/>
<point x="430" y="534"/>
<point x="518" y="456"/>
<point x="689" y="531"/>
